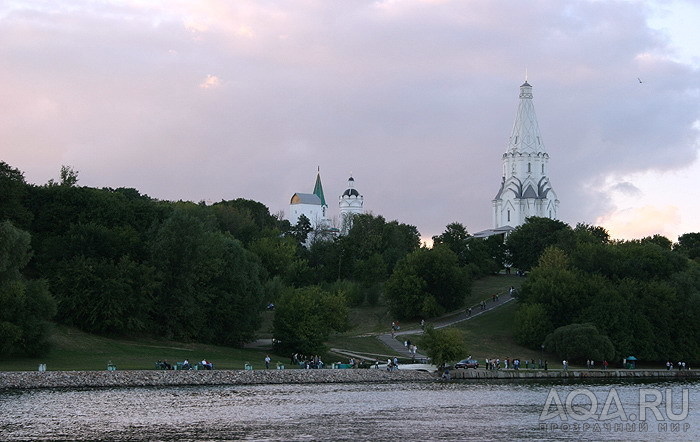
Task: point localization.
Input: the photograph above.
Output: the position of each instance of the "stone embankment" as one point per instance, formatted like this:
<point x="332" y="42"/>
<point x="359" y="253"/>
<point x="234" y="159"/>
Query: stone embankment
<point x="146" y="378"/>
<point x="162" y="378"/>
<point x="572" y="374"/>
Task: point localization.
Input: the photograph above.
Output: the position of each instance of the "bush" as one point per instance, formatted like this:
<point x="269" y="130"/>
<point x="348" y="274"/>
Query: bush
<point x="580" y="342"/>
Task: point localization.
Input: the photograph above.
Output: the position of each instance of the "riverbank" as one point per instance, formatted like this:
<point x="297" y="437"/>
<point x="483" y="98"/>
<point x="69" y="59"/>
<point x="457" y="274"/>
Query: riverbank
<point x="153" y="378"/>
<point x="18" y="380"/>
<point x="572" y="374"/>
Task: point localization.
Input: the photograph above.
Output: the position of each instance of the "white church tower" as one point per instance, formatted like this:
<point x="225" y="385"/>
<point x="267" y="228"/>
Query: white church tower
<point x="311" y="205"/>
<point x="525" y="188"/>
<point x="351" y="203"/>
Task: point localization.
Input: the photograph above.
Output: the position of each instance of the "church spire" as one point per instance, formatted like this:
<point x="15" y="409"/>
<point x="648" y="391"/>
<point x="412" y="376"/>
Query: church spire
<point x="318" y="188"/>
<point x="525" y="137"/>
<point x="525" y="188"/>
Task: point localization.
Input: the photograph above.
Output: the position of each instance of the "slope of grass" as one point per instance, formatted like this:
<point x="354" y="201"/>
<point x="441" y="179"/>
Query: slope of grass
<point x="484" y="288"/>
<point x="361" y="344"/>
<point x="378" y="319"/>
<point x="488" y="336"/>
<point x="491" y="335"/>
<point x="76" y="350"/>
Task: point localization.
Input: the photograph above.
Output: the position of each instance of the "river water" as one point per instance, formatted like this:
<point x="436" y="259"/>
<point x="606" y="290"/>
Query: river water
<point x="457" y="410"/>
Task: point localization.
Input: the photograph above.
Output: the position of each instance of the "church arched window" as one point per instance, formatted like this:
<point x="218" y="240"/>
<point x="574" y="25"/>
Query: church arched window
<point x="508" y="215"/>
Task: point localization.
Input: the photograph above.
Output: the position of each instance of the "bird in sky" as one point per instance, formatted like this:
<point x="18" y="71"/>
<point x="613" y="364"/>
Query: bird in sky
<point x="640" y="80"/>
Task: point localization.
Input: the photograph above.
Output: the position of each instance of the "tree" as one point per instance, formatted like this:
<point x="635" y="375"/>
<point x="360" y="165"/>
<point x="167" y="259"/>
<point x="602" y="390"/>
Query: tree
<point x="444" y="345"/>
<point x="276" y="254"/>
<point x="532" y="325"/>
<point x="480" y="255"/>
<point x="659" y="240"/>
<point x="69" y="176"/>
<point x="427" y="282"/>
<point x="580" y="342"/>
<point x="560" y="290"/>
<point x="455" y="238"/>
<point x="631" y="291"/>
<point x="27" y="305"/>
<point x="301" y="229"/>
<point x="106" y="296"/>
<point x="688" y="245"/>
<point x="13" y="191"/>
<point x="235" y="295"/>
<point x="592" y="234"/>
<point x="305" y="317"/>
<point x="246" y="220"/>
<point x="210" y="285"/>
<point x="373" y="235"/>
<point x="527" y="242"/>
<point x="646" y="260"/>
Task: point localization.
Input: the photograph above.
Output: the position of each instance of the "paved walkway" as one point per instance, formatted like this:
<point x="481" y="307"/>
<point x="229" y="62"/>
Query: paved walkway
<point x="442" y="322"/>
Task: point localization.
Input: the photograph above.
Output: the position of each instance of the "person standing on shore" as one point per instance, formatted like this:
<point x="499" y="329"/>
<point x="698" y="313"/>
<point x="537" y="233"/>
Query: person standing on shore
<point x="267" y="361"/>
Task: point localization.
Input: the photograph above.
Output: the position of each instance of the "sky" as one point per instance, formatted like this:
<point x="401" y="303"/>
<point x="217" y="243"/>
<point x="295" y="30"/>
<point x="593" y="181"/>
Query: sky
<point x="215" y="100"/>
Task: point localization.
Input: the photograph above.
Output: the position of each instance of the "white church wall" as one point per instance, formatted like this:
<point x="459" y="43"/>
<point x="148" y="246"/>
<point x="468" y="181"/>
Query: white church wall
<point x="311" y="211"/>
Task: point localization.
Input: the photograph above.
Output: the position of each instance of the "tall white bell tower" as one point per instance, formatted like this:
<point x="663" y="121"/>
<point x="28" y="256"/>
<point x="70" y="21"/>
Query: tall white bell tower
<point x="351" y="203"/>
<point x="525" y="187"/>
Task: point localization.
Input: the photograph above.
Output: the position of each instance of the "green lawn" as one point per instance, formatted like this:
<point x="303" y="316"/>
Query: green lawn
<point x="76" y="350"/>
<point x="489" y="335"/>
<point x="484" y="288"/>
<point x="361" y="344"/>
<point x="378" y="319"/>
<point x="496" y="342"/>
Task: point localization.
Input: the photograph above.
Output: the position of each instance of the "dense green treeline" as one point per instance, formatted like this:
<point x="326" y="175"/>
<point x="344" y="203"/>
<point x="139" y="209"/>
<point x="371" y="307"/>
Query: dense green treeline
<point x="25" y="305"/>
<point x="116" y="262"/>
<point x="584" y="292"/>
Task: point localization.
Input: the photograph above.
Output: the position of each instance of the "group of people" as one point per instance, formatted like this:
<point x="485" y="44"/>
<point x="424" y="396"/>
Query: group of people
<point x="395" y="327"/>
<point x="412" y="348"/>
<point x="514" y="364"/>
<point x="590" y="364"/>
<point x="185" y="365"/>
<point x="680" y="365"/>
<point x="495" y="364"/>
<point x="163" y="365"/>
<point x="392" y="364"/>
<point x="494" y="298"/>
<point x="306" y="362"/>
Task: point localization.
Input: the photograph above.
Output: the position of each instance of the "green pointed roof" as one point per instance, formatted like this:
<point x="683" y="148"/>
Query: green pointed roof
<point x="318" y="190"/>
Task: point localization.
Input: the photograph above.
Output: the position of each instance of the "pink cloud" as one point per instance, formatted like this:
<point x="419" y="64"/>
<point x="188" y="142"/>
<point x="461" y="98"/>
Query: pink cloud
<point x="639" y="222"/>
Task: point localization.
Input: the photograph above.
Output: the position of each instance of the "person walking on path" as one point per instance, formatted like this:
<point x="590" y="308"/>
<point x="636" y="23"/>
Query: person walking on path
<point x="267" y="362"/>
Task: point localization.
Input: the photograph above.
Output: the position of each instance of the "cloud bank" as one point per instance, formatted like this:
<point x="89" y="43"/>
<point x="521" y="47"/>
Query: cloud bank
<point x="214" y="100"/>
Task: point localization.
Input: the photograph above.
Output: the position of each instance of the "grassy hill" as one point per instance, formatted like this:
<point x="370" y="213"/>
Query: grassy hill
<point x="489" y="335"/>
<point x="76" y="350"/>
<point x="378" y="319"/>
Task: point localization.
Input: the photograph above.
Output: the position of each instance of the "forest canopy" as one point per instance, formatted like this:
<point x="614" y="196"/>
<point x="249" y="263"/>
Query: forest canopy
<point x="117" y="262"/>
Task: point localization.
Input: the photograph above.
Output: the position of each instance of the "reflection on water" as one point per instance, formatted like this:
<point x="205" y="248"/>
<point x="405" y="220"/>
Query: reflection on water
<point x="412" y="411"/>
